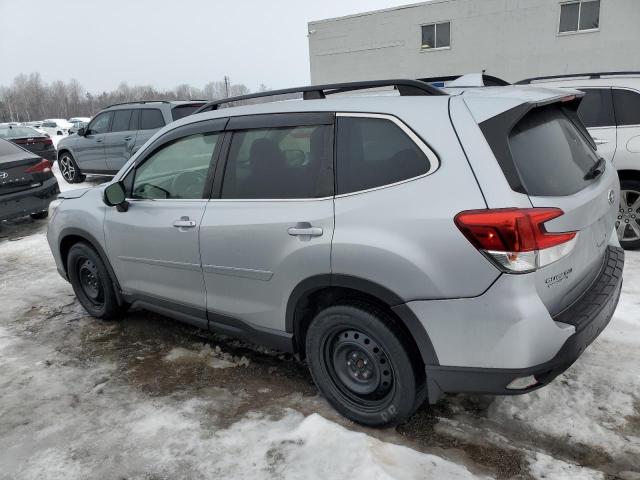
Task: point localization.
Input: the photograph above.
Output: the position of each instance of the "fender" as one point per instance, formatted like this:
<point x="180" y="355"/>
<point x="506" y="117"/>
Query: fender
<point x="91" y="240"/>
<point x="394" y="301"/>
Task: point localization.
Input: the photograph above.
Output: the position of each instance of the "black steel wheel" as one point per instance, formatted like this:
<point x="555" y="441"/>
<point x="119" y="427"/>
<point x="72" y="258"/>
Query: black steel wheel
<point x="360" y="362"/>
<point x="91" y="282"/>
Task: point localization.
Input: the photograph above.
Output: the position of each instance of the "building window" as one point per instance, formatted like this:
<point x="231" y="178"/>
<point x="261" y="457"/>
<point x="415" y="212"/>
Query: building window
<point x="579" y="16"/>
<point x="436" y="35"/>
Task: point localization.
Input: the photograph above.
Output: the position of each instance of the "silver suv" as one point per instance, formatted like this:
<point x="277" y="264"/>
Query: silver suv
<point x="115" y="134"/>
<point x="407" y="246"/>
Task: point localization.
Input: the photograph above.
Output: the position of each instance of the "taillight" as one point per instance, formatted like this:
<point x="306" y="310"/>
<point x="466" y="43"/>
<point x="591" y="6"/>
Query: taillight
<point x="47" y="141"/>
<point x="516" y="238"/>
<point x="43" y="167"/>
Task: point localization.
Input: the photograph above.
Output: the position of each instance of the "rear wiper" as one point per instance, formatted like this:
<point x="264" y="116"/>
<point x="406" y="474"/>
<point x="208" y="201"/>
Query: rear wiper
<point x="596" y="170"/>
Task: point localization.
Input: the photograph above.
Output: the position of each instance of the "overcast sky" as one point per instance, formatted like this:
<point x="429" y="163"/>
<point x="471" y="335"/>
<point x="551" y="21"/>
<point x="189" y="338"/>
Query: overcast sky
<point x="164" y="42"/>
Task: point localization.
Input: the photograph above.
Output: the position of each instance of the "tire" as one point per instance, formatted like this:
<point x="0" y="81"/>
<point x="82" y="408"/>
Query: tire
<point x="361" y="365"/>
<point x="69" y="168"/>
<point x="39" y="215"/>
<point x="92" y="283"/>
<point x="629" y="212"/>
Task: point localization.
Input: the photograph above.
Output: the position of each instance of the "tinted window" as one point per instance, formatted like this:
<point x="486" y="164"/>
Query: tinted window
<point x="372" y="152"/>
<point x="19" y="132"/>
<point x="550" y="154"/>
<point x="100" y="124"/>
<point x="121" y="119"/>
<point x="135" y="116"/>
<point x="182" y="111"/>
<point x="596" y="108"/>
<point x="627" y="105"/>
<point x="291" y="162"/>
<point x="177" y="170"/>
<point x="150" y="119"/>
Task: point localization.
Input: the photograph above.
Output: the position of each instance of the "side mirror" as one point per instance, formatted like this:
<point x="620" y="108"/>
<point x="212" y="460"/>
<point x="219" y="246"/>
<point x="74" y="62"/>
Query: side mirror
<point x="114" y="196"/>
<point x="81" y="131"/>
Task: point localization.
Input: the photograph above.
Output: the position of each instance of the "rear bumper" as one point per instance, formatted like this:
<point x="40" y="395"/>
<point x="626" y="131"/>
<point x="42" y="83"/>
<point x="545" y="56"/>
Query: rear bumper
<point x="30" y="201"/>
<point x="589" y="315"/>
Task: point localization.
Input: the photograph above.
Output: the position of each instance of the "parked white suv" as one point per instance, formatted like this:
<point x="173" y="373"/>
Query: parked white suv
<point x="611" y="112"/>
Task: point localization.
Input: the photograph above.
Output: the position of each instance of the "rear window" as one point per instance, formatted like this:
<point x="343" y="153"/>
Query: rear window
<point x="150" y="119"/>
<point x="550" y="154"/>
<point x="8" y="151"/>
<point x="19" y="132"/>
<point x="182" y="111"/>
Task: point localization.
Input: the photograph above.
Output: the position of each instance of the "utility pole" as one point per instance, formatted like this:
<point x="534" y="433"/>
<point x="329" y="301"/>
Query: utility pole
<point x="226" y="86"/>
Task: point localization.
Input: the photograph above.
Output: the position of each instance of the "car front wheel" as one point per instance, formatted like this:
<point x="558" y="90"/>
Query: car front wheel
<point x="69" y="168"/>
<point x="360" y="363"/>
<point x="91" y="282"/>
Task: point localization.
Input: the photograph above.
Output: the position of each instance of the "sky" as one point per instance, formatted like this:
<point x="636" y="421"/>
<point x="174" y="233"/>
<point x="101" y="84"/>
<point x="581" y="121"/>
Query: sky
<point x="165" y="43"/>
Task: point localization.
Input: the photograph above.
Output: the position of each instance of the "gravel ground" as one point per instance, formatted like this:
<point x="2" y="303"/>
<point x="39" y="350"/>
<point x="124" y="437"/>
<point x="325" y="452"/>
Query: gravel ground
<point x="149" y="398"/>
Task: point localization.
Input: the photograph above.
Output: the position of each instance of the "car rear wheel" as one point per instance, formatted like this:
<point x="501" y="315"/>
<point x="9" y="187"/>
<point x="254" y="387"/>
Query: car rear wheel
<point x="69" y="168"/>
<point x="91" y="282"/>
<point x="361" y="365"/>
<point x="628" y="220"/>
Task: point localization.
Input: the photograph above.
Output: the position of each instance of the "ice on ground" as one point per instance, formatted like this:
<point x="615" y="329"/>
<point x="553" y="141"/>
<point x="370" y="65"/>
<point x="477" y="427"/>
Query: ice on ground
<point x="214" y="357"/>
<point x="545" y="467"/>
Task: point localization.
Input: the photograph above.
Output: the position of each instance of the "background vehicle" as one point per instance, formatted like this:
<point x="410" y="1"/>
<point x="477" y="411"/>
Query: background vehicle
<point x="405" y="255"/>
<point x="77" y="125"/>
<point x="611" y="112"/>
<point x="30" y="139"/>
<point x="27" y="184"/>
<point x="115" y="134"/>
<point x="55" y="126"/>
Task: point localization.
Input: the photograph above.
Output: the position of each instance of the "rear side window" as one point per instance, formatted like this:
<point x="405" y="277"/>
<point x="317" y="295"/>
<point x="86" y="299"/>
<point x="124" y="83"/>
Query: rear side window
<point x="596" y="108"/>
<point x="182" y="111"/>
<point x="550" y="154"/>
<point x="274" y="163"/>
<point x="151" y="119"/>
<point x="121" y="120"/>
<point x="373" y="152"/>
<point x="627" y="105"/>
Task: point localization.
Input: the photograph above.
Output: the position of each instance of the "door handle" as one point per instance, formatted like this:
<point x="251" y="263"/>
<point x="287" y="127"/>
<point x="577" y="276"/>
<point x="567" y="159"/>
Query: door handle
<point x="99" y="140"/>
<point x="126" y="139"/>
<point x="600" y="141"/>
<point x="305" y="231"/>
<point x="184" y="222"/>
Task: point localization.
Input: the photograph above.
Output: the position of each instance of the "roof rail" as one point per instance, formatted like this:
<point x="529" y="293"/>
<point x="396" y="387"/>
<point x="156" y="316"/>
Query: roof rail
<point x="527" y="81"/>
<point x="316" y="92"/>
<point x="137" y="101"/>
<point x="487" y="80"/>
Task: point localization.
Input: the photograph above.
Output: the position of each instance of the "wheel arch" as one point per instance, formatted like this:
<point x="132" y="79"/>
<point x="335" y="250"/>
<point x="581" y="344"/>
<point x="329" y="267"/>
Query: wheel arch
<point x="628" y="174"/>
<point x="314" y="293"/>
<point x="70" y="236"/>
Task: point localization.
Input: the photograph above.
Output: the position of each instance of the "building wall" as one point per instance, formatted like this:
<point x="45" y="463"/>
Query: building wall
<point x="512" y="39"/>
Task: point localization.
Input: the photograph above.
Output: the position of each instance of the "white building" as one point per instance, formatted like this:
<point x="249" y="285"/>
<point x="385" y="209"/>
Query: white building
<point x="512" y="39"/>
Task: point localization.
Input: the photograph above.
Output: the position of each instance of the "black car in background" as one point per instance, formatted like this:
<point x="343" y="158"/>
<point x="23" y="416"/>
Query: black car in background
<point x="31" y="139"/>
<point x="27" y="184"/>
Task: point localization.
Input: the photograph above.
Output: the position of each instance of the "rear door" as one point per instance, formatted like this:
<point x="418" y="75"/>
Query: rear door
<point x="89" y="150"/>
<point x="627" y="106"/>
<point x="150" y="121"/>
<point x="553" y="156"/>
<point x="596" y="112"/>
<point x="270" y="222"/>
<point x="119" y="142"/>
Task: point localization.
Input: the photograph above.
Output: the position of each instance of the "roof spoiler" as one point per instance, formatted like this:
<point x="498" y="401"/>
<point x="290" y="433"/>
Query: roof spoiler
<point x="466" y="81"/>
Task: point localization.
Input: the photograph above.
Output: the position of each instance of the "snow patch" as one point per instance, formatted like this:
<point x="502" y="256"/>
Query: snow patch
<point x="214" y="357"/>
<point x="544" y="467"/>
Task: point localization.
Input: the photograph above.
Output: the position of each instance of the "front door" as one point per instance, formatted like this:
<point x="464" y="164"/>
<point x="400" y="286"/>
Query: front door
<point x="154" y="244"/>
<point x="89" y="151"/>
<point x="271" y="225"/>
<point x="119" y="142"/>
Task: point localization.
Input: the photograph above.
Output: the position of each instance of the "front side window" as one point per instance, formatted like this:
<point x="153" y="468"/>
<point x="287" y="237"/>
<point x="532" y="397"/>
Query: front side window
<point x="436" y="35"/>
<point x="596" y="108"/>
<point x="373" y="152"/>
<point x="121" y="120"/>
<point x="280" y="163"/>
<point x="100" y="124"/>
<point x="177" y="170"/>
<point x="627" y="104"/>
<point x="578" y="16"/>
<point x="151" y="119"/>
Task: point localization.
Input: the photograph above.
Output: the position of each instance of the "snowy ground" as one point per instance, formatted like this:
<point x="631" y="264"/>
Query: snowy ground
<point x="148" y="398"/>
